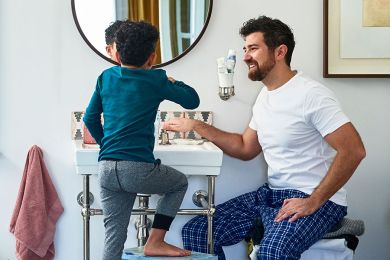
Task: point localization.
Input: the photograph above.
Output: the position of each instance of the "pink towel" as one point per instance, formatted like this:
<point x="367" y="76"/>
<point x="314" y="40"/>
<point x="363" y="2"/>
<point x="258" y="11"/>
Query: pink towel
<point x="36" y="211"/>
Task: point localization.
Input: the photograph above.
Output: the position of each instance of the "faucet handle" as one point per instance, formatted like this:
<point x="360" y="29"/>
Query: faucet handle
<point x="164" y="137"/>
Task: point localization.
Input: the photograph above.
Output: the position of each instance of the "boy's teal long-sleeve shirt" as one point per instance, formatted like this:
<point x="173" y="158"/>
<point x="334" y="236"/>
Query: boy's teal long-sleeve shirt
<point x="129" y="100"/>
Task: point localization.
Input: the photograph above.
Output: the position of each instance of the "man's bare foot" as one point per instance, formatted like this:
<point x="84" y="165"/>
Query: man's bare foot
<point x="164" y="249"/>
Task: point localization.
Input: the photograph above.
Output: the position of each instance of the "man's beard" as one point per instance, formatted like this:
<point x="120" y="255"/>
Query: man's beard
<point x="260" y="73"/>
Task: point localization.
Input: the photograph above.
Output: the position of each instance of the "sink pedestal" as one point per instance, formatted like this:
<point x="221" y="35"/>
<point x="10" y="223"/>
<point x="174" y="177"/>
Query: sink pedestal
<point x="204" y="159"/>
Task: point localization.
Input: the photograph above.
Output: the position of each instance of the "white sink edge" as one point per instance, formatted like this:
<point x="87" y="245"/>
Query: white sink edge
<point x="209" y="161"/>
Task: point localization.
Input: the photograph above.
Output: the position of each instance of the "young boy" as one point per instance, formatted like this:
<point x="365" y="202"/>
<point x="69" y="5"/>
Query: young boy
<point x="129" y="96"/>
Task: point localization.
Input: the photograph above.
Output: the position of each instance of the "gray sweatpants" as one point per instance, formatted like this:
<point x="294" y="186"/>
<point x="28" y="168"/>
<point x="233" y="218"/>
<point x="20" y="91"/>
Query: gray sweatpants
<point x="120" y="181"/>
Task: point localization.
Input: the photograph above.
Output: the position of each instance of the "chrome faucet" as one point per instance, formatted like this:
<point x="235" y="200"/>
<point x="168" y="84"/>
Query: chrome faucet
<point x="164" y="137"/>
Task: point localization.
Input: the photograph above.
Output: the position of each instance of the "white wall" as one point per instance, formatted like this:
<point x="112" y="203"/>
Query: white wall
<point x="47" y="71"/>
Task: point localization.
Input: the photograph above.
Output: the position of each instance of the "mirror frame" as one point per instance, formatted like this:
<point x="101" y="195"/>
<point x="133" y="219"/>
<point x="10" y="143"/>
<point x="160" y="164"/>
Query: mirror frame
<point x="154" y="66"/>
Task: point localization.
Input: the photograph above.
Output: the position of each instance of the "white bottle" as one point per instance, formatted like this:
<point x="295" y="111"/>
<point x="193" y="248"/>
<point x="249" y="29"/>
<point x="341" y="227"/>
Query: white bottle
<point x="231" y="55"/>
<point x="231" y="60"/>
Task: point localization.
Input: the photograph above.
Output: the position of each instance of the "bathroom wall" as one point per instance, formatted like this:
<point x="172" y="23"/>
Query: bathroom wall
<point x="47" y="71"/>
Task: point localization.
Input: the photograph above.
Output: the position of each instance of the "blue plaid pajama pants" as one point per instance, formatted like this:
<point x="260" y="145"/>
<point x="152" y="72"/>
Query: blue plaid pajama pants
<point x="284" y="240"/>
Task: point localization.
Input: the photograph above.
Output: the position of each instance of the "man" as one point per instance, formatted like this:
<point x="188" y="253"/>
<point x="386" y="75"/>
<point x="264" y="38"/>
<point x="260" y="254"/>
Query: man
<point x="110" y="39"/>
<point x="310" y="146"/>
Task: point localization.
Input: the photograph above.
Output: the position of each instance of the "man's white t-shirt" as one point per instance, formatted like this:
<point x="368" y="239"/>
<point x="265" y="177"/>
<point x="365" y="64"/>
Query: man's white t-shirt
<point x="291" y="122"/>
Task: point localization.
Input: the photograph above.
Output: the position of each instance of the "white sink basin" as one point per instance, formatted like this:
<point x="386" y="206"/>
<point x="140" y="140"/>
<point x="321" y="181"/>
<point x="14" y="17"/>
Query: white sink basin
<point x="201" y="159"/>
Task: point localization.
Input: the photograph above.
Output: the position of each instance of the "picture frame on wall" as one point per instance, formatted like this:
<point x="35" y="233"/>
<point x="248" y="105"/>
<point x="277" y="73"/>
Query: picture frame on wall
<point x="356" y="39"/>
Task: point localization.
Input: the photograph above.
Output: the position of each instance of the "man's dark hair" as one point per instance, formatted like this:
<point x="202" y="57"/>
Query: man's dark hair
<point x="274" y="31"/>
<point x="135" y="41"/>
<point x="111" y="30"/>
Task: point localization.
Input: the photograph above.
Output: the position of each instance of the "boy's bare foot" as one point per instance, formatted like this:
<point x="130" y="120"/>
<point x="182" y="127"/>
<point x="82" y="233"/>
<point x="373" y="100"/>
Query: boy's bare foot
<point x="164" y="249"/>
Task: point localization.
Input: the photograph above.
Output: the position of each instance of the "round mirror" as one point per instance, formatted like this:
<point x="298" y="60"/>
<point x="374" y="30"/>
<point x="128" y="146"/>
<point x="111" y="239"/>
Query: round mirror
<point x="181" y="23"/>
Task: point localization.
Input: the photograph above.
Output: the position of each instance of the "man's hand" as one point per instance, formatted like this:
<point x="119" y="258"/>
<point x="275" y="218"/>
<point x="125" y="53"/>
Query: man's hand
<point x="243" y="146"/>
<point x="295" y="208"/>
<point x="179" y="124"/>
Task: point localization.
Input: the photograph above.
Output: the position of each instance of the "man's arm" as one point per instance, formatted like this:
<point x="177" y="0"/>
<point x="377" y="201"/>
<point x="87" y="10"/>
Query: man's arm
<point x="350" y="151"/>
<point x="244" y="147"/>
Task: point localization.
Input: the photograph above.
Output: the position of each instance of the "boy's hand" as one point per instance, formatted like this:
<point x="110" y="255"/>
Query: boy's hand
<point x="179" y="124"/>
<point x="171" y="79"/>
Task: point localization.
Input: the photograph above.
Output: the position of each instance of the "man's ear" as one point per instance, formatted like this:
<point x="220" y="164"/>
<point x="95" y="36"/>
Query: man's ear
<point x="280" y="52"/>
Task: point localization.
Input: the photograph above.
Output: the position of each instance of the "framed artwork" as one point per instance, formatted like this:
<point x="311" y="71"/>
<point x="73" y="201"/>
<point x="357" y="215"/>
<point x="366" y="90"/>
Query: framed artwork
<point x="356" y="39"/>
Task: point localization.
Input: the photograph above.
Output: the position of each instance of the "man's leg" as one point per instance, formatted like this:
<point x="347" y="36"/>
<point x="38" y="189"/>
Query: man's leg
<point x="288" y="240"/>
<point x="233" y="220"/>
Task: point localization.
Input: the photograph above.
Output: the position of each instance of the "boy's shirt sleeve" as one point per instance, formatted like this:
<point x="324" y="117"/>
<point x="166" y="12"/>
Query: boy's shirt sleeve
<point x="181" y="93"/>
<point x="92" y="116"/>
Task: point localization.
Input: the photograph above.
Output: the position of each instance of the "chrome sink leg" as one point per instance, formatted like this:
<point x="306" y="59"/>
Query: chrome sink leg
<point x="85" y="212"/>
<point x="210" y="215"/>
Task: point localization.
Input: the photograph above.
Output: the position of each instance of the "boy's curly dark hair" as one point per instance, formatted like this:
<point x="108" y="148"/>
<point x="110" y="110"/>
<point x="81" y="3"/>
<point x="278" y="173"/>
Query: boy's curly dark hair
<point x="274" y="31"/>
<point x="135" y="41"/>
<point x="111" y="30"/>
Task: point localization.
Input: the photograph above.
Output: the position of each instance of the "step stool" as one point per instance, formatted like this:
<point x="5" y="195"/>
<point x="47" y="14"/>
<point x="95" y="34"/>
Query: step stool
<point x="137" y="253"/>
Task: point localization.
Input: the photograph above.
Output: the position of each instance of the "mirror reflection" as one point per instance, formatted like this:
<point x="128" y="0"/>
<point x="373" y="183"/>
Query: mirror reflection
<point x="181" y="23"/>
